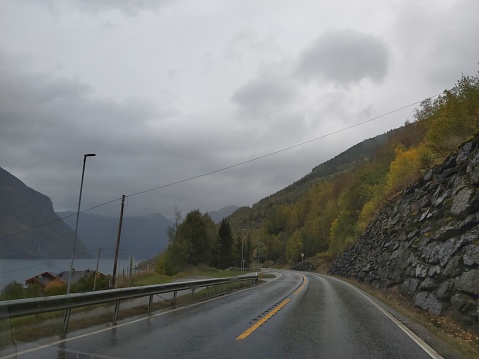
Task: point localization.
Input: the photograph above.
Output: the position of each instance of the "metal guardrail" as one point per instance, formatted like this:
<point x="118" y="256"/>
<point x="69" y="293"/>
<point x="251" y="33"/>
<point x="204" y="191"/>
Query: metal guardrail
<point x="31" y="306"/>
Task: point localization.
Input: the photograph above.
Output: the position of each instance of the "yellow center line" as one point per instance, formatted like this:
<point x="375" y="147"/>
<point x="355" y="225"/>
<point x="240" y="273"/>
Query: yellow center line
<point x="259" y="323"/>
<point x="301" y="288"/>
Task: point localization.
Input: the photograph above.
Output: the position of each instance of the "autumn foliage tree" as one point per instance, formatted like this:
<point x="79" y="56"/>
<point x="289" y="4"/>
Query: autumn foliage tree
<point x="330" y="213"/>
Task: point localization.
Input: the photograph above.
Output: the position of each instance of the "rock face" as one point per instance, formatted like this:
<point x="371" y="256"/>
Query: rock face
<point x="24" y="214"/>
<point x="426" y="242"/>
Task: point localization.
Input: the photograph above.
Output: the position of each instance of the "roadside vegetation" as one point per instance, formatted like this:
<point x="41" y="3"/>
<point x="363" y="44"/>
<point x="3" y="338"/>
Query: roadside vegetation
<point x="197" y="241"/>
<point x="16" y="290"/>
<point x="328" y="209"/>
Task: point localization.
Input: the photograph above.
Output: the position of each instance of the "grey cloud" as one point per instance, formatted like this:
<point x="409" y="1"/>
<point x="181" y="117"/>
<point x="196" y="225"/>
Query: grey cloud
<point x="344" y="58"/>
<point x="274" y="104"/>
<point x="129" y="7"/>
<point x="48" y="123"/>
<point x="263" y="93"/>
<point x="434" y="43"/>
<point x="452" y="55"/>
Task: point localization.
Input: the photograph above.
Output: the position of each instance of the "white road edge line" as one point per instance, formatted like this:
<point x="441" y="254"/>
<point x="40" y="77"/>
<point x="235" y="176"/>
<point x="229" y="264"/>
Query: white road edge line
<point x="430" y="351"/>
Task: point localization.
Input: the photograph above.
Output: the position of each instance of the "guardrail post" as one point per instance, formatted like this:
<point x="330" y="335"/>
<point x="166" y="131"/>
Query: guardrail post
<point x="66" y="319"/>
<point x="150" y="304"/>
<point x="207" y="290"/>
<point x="32" y="306"/>
<point x="117" y="310"/>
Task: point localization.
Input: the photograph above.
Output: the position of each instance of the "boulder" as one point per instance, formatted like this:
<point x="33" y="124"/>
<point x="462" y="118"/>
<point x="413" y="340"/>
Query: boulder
<point x="468" y="282"/>
<point x="446" y="289"/>
<point x="429" y="302"/>
<point x="471" y="255"/>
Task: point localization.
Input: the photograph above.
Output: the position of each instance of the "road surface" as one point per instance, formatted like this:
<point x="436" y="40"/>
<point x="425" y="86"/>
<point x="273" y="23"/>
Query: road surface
<point x="299" y="315"/>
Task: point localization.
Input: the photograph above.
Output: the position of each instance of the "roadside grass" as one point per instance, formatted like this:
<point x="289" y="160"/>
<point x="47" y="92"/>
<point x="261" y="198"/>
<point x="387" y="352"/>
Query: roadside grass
<point x="31" y="328"/>
<point x="464" y="340"/>
<point x="189" y="273"/>
<point x="148" y="279"/>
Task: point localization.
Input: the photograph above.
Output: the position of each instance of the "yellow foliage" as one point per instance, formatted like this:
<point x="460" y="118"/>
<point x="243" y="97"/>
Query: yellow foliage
<point x="368" y="213"/>
<point x="294" y="247"/>
<point x="405" y="168"/>
<point x="55" y="287"/>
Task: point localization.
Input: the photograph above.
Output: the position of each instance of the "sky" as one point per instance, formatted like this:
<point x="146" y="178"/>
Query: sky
<point x="163" y="91"/>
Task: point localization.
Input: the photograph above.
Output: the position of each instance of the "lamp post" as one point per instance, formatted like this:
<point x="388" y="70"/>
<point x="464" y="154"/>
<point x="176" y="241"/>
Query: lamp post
<point x="78" y="216"/>
<point x="242" y="256"/>
<point x="259" y="246"/>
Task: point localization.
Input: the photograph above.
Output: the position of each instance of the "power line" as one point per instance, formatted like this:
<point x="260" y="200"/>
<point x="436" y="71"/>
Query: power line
<point x="279" y="151"/>
<point x="56" y="220"/>
<point x="229" y="167"/>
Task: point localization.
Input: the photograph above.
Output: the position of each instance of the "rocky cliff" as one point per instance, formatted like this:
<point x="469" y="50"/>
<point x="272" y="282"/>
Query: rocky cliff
<point x="426" y="241"/>
<point x="21" y="209"/>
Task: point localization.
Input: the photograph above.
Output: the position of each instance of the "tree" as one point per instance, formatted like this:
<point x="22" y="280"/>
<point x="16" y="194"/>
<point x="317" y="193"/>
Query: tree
<point x="55" y="287"/>
<point x="85" y="283"/>
<point x="226" y="244"/>
<point x="403" y="170"/>
<point x="173" y="259"/>
<point x="11" y="291"/>
<point x="294" y="247"/>
<point x="194" y="241"/>
<point x="171" y="231"/>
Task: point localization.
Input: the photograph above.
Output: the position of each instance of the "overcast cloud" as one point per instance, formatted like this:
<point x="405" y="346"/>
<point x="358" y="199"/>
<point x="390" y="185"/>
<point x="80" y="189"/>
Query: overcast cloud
<point x="345" y="57"/>
<point x="166" y="90"/>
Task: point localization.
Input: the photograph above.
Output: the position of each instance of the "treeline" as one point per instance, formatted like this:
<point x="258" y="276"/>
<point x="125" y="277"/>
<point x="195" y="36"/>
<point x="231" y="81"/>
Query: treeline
<point x="196" y="240"/>
<point x="330" y="214"/>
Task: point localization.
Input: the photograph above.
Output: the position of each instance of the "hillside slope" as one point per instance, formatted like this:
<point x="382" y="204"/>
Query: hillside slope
<point x="141" y="237"/>
<point x="360" y="153"/>
<point x="22" y="208"/>
<point x="329" y="208"/>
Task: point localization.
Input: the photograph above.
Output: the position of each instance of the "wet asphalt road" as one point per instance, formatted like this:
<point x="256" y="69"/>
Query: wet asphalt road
<point x="308" y="316"/>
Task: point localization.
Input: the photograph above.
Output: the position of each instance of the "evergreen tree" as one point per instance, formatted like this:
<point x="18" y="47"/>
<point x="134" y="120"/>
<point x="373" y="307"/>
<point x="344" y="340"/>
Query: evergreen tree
<point x="226" y="244"/>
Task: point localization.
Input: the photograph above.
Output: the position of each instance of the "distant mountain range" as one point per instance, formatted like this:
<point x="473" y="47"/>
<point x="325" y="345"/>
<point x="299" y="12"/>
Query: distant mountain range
<point x="29" y="227"/>
<point x="217" y="216"/>
<point x="141" y="236"/>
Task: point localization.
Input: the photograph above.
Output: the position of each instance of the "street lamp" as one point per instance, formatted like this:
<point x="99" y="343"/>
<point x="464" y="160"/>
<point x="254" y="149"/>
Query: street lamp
<point x="259" y="243"/>
<point x="242" y="256"/>
<point x="76" y="224"/>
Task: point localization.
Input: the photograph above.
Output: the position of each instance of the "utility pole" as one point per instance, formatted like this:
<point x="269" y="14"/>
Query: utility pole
<point x="118" y="241"/>
<point x="96" y="272"/>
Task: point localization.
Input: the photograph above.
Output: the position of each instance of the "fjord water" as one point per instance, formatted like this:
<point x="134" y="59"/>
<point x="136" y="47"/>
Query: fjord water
<point x="22" y="269"/>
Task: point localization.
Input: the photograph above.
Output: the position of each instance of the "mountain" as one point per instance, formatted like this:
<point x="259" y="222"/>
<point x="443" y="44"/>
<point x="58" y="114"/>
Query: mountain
<point x="329" y="208"/>
<point x="217" y="216"/>
<point x="29" y="227"/>
<point x="141" y="236"/>
<point x="362" y="152"/>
